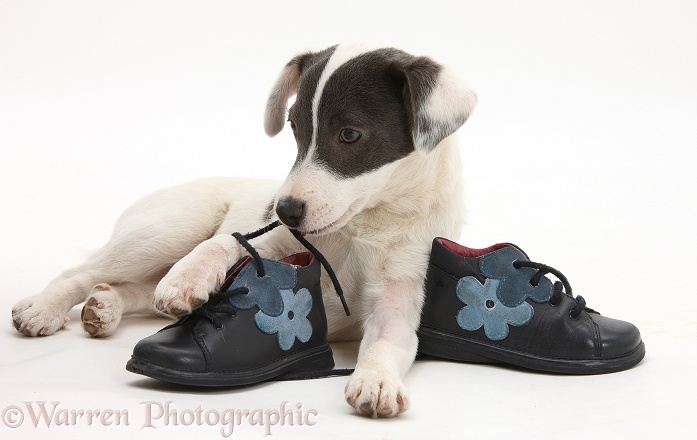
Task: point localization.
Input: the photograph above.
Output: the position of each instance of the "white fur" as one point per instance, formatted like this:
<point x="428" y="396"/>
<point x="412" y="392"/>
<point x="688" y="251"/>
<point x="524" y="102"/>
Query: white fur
<point x="449" y="104"/>
<point x="329" y="210"/>
<point x="286" y="85"/>
<point x="376" y="232"/>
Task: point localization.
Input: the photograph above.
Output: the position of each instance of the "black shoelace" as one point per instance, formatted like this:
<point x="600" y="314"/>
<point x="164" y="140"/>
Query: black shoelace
<point x="243" y="239"/>
<point x="218" y="303"/>
<point x="561" y="287"/>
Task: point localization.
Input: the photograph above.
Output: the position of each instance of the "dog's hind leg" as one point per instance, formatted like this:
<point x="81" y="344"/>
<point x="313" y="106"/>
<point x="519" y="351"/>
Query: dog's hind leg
<point x="131" y="258"/>
<point x="149" y="238"/>
<point x="132" y="269"/>
<point x="107" y="303"/>
<point x="47" y="312"/>
<point x="119" y="278"/>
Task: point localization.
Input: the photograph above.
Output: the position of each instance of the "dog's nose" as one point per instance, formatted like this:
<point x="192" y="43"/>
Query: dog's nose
<point x="290" y="211"/>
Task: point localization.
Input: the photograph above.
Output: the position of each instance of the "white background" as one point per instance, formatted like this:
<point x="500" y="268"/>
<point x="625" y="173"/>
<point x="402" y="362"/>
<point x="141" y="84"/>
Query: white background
<point x="582" y="152"/>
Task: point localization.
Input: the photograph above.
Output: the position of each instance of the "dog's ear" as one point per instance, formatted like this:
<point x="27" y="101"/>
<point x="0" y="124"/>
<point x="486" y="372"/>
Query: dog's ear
<point x="286" y="86"/>
<point x="437" y="100"/>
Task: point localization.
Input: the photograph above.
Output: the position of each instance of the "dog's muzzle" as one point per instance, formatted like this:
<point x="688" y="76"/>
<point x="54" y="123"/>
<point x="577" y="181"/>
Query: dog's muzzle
<point x="290" y="211"/>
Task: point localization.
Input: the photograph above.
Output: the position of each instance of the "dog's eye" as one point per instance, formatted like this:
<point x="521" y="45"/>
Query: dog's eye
<point x="292" y="127"/>
<point x="349" y="135"/>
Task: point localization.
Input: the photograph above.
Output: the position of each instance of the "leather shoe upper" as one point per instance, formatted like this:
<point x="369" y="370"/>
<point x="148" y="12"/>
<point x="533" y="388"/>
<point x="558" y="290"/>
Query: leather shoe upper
<point x="497" y="298"/>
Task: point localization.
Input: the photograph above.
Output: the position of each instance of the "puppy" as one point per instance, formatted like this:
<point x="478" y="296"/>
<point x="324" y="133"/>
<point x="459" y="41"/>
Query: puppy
<point x="376" y="178"/>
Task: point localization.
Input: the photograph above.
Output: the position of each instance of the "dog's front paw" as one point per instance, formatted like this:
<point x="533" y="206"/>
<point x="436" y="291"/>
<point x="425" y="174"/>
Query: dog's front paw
<point x="376" y="395"/>
<point x="180" y="292"/>
<point x="189" y="283"/>
<point x="37" y="317"/>
<point x="102" y="312"/>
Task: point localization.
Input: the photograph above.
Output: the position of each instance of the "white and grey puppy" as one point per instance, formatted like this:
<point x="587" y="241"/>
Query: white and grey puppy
<point x="377" y="177"/>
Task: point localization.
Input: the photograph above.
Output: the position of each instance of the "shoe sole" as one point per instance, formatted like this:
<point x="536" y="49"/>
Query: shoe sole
<point x="445" y="345"/>
<point x="303" y="365"/>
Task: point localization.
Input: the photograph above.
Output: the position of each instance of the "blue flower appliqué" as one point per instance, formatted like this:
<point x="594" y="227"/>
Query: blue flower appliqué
<point x="263" y="291"/>
<point x="482" y="308"/>
<point x="292" y="322"/>
<point x="514" y="287"/>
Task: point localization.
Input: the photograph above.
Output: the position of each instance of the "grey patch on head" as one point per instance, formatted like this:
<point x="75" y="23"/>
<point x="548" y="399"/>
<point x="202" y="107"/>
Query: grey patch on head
<point x="366" y="94"/>
<point x="372" y="94"/>
<point x="385" y="95"/>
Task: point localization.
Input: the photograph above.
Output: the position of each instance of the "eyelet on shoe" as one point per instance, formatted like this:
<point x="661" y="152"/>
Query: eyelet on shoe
<point x="554" y="303"/>
<point x="571" y="315"/>
<point x="220" y="327"/>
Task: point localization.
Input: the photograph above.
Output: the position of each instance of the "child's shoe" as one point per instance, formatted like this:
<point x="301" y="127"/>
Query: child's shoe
<point x="268" y="322"/>
<point x="494" y="305"/>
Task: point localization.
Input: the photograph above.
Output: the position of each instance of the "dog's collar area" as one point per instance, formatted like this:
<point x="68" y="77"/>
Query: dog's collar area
<point x="243" y="239"/>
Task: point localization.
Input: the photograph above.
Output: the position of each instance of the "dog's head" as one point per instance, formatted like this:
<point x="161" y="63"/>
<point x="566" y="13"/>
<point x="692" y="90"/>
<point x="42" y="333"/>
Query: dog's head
<point x="359" y="110"/>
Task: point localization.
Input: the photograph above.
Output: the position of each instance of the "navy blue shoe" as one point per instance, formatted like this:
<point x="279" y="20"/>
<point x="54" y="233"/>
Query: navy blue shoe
<point x="494" y="305"/>
<point x="267" y="322"/>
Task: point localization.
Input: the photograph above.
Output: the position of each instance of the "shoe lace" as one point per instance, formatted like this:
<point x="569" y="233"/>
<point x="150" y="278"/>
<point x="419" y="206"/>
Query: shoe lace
<point x="218" y="302"/>
<point x="243" y="239"/>
<point x="561" y="287"/>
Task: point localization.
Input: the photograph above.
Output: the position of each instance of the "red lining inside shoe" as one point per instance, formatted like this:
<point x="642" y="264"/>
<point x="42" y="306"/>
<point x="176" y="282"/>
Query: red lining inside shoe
<point x="302" y="259"/>
<point x="466" y="252"/>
